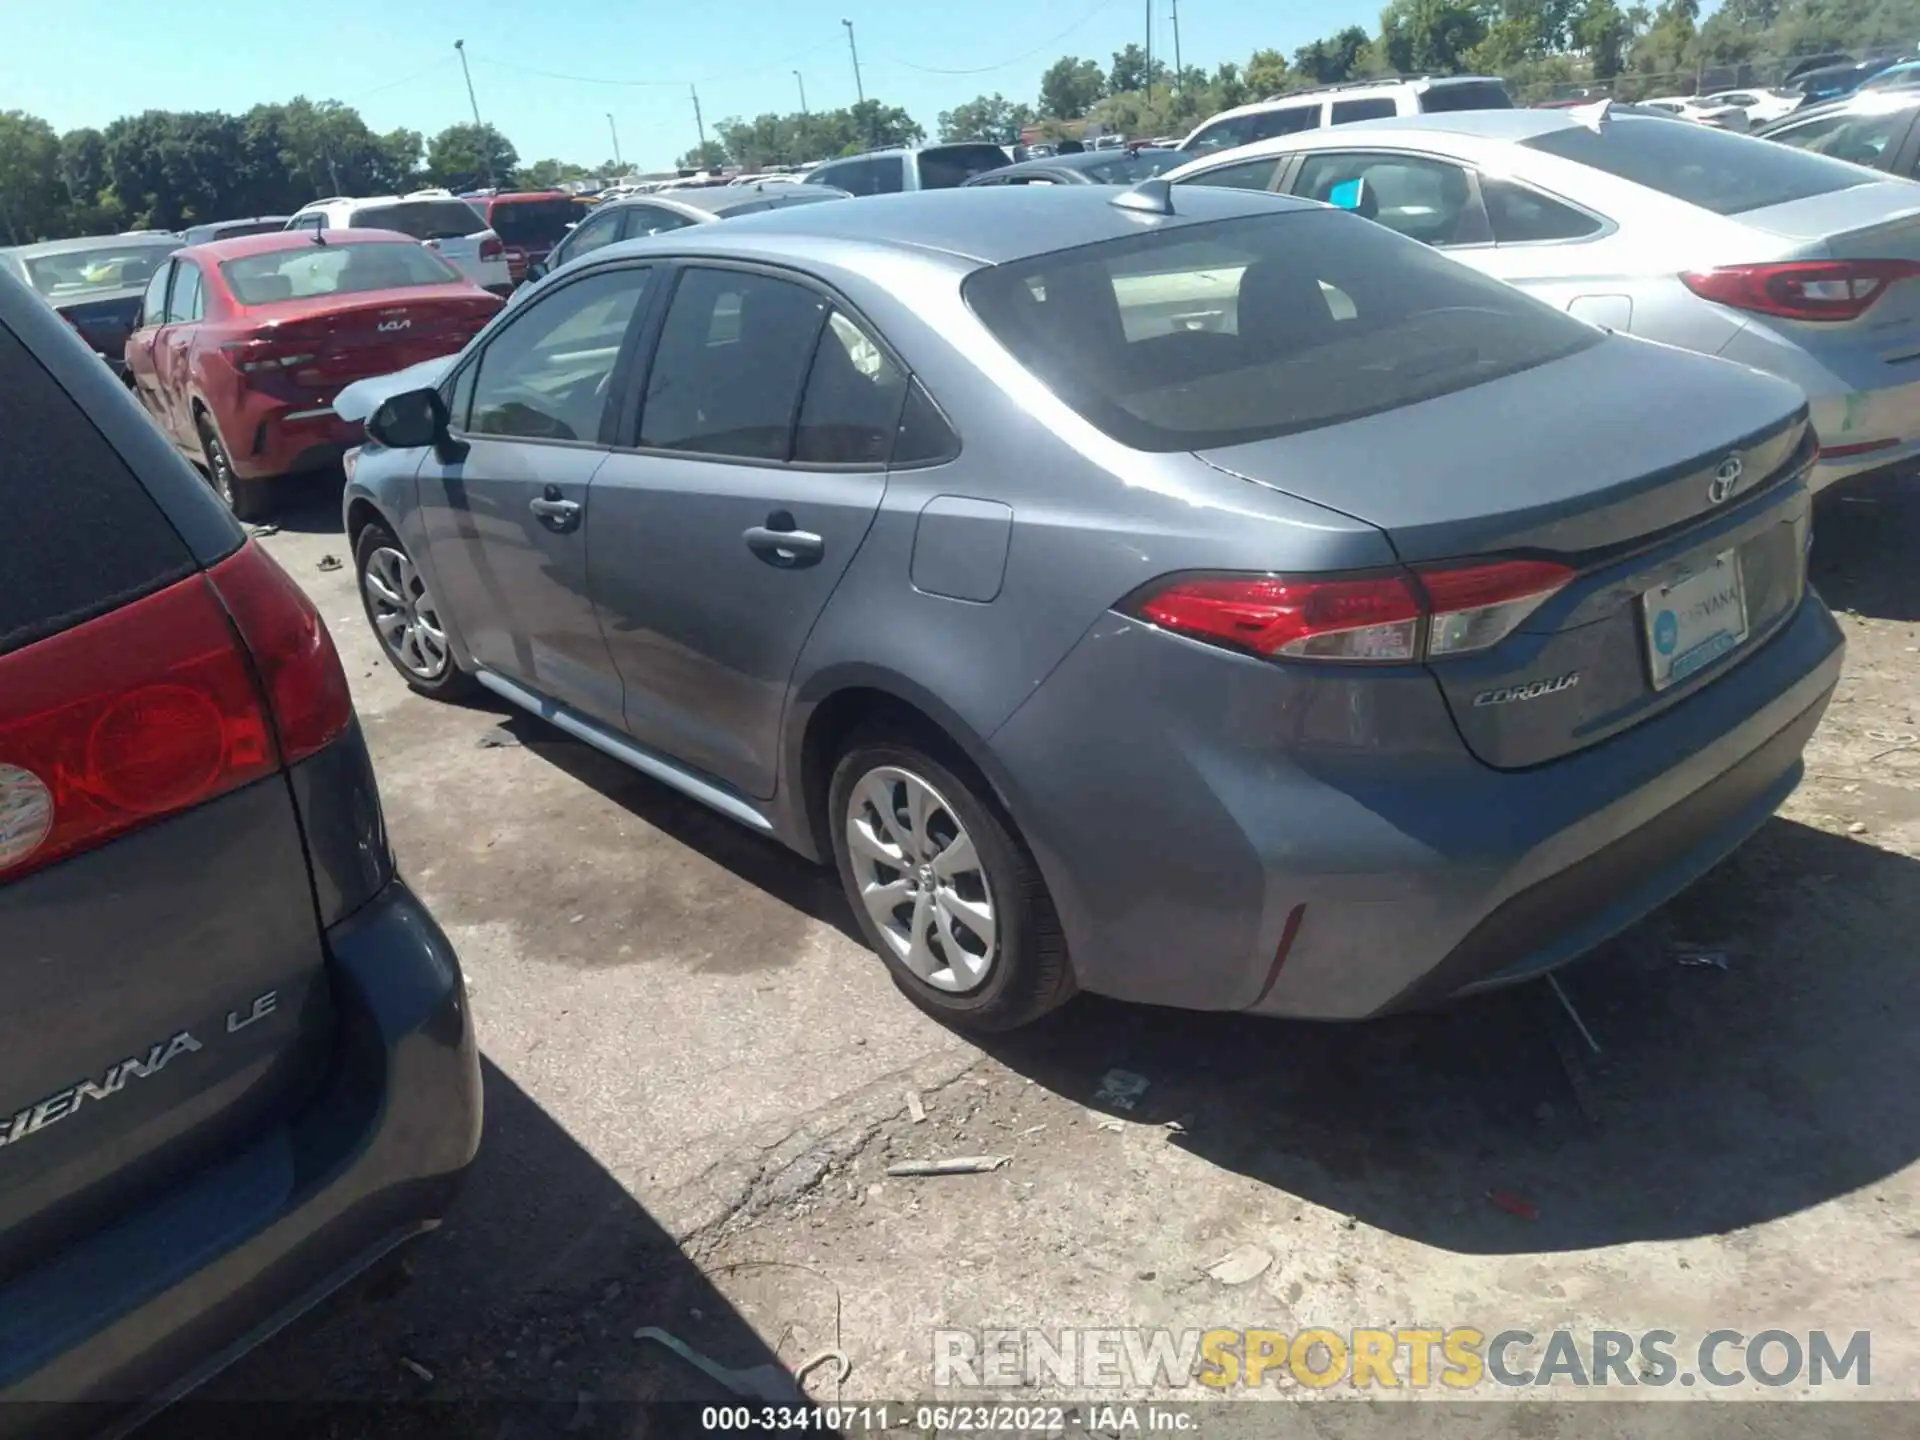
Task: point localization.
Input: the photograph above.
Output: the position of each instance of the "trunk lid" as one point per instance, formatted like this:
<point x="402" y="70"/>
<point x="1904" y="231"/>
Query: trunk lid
<point x="374" y="334"/>
<point x="103" y="321"/>
<point x="165" y="977"/>
<point x="1584" y="461"/>
<point x="1868" y="222"/>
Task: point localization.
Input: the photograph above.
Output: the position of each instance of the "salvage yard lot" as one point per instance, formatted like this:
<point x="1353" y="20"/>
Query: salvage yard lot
<point x="685" y="1044"/>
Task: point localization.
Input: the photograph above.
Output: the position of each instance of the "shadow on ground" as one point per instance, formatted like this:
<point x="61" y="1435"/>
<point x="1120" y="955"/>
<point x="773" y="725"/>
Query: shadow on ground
<point x="1721" y="1099"/>
<point x="523" y="1303"/>
<point x="1863" y="550"/>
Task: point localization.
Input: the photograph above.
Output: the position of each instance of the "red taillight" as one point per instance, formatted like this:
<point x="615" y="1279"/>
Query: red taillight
<point x="1802" y="289"/>
<point x="305" y="685"/>
<point x="1451" y="610"/>
<point x="266" y="353"/>
<point x="143" y="712"/>
<point x="491" y="248"/>
<point x="1368" y="618"/>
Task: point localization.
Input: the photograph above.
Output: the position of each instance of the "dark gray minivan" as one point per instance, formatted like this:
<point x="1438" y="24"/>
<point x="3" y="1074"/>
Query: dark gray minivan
<point x="236" y="1061"/>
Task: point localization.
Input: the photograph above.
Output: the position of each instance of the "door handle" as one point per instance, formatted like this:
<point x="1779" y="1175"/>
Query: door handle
<point x="556" y="514"/>
<point x="779" y="544"/>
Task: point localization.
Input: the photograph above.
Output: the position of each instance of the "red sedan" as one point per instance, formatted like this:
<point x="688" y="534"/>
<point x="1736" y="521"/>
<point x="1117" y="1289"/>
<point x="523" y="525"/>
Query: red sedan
<point x="242" y="344"/>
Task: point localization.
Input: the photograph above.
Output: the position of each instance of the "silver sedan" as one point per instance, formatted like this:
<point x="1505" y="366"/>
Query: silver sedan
<point x="1790" y="262"/>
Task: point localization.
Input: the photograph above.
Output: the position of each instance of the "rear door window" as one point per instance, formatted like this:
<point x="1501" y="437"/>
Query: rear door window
<point x="1289" y="120"/>
<point x="1432" y="201"/>
<point x="1378" y="107"/>
<point x="67" y="487"/>
<point x="1869" y="140"/>
<point x="1521" y="215"/>
<point x="733" y="356"/>
<point x="422" y="219"/>
<point x="951" y="165"/>
<point x="862" y="177"/>
<point x="185" y="305"/>
<point x="1223" y="333"/>
<point x="852" y="404"/>
<point x="153" y="308"/>
<point x="1468" y="95"/>
<point x="530" y="222"/>
<point x="600" y="228"/>
<point x="546" y="374"/>
<point x="1221" y="135"/>
<point x="1714" y="169"/>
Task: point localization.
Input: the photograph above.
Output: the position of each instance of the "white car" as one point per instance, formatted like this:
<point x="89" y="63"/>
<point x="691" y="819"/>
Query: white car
<point x="438" y="219"/>
<point x="1703" y="110"/>
<point x="1781" y="259"/>
<point x="1343" y="105"/>
<point x="1763" y="107"/>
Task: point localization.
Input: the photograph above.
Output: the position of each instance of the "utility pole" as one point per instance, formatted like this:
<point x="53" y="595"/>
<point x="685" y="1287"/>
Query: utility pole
<point x="701" y="125"/>
<point x="1149" y="76"/>
<point x="614" y="130"/>
<point x="859" y="90"/>
<point x="486" y="149"/>
<point x="806" y="120"/>
<point x="802" y="81"/>
<point x="1179" y="74"/>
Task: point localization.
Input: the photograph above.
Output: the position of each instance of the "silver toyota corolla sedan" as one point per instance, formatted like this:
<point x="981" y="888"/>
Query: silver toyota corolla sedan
<point x="1191" y="596"/>
<point x="1795" y="263"/>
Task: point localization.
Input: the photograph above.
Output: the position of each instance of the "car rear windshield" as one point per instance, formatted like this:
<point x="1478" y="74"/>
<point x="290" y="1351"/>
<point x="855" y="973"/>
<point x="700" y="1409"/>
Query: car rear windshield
<point x="82" y="272"/>
<point x="1233" y="331"/>
<point x="1714" y="169"/>
<point x="951" y="165"/>
<point x="533" y="222"/>
<point x="422" y="219"/>
<point x="335" y="269"/>
<point x="1469" y="95"/>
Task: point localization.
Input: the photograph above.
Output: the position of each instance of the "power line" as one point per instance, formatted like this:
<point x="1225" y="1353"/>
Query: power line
<point x="1003" y="64"/>
<point x="657" y="84"/>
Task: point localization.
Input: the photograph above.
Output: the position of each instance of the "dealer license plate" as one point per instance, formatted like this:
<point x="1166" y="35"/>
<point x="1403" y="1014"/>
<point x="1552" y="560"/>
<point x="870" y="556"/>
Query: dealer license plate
<point x="1694" y="621"/>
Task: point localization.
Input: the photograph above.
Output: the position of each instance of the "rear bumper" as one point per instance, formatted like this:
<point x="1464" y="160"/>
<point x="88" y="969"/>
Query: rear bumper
<point x="146" y="1310"/>
<point x="270" y="437"/>
<point x="1226" y="834"/>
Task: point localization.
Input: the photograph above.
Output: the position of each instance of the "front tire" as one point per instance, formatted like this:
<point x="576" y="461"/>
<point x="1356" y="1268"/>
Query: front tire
<point x="944" y="890"/>
<point x="250" y="500"/>
<point x="405" y="618"/>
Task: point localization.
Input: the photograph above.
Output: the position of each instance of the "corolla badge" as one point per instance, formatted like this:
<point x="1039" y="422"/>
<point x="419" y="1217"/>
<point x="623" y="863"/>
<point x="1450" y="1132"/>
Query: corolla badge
<point x="1529" y="690"/>
<point x="1725" y="481"/>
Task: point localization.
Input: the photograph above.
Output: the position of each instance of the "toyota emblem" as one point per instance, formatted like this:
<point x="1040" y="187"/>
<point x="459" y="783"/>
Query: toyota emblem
<point x="1725" y="480"/>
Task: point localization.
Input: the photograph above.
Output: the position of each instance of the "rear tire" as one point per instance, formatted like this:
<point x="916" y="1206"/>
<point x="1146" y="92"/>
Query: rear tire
<point x="405" y="618"/>
<point x="250" y="500"/>
<point x="958" y="912"/>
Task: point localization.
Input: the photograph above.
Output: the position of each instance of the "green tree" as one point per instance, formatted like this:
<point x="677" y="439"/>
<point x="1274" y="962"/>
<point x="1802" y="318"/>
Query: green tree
<point x="1329" y="61"/>
<point x="465" y="157"/>
<point x="1228" y="87"/>
<point x="986" y="117"/>
<point x="1268" y="74"/>
<point x="710" y="156"/>
<point x="1429" y="35"/>
<point x="1131" y="72"/>
<point x="31" y="195"/>
<point x="1602" y="29"/>
<point x="1069" y="87"/>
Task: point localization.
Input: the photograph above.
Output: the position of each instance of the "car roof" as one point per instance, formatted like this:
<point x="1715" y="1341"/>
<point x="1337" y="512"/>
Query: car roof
<point x="515" y="197"/>
<point x="716" y="202"/>
<point x="1860" y="102"/>
<point x="1317" y="93"/>
<point x="241" y="246"/>
<point x="991" y="224"/>
<point x="94" y="242"/>
<point x="1082" y="160"/>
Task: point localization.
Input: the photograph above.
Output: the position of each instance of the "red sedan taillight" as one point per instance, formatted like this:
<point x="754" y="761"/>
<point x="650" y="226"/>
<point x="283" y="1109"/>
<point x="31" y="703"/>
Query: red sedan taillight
<point x="1377" y="619"/>
<point x="159" y="706"/>
<point x="1802" y="289"/>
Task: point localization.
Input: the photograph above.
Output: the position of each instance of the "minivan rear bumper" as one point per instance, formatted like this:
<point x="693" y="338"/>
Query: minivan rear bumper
<point x="1224" y="833"/>
<point x="140" y="1313"/>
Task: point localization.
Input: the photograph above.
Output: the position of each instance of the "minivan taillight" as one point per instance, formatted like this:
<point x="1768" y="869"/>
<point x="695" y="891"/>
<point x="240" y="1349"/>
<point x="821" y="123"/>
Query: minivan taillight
<point x="105" y="727"/>
<point x="158" y="707"/>
<point x="292" y="651"/>
<point x="1802" y="289"/>
<point x="491" y="248"/>
<point x="1385" y="618"/>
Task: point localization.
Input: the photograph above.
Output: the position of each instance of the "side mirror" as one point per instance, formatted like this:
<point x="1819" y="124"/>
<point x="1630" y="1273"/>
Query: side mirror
<point x="413" y="421"/>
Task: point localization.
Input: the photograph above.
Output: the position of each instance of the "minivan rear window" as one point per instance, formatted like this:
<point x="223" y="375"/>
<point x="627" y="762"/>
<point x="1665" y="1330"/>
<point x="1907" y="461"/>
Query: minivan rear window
<point x="1714" y="169"/>
<point x="1238" y="330"/>
<point x="422" y="219"/>
<point x="951" y="165"/>
<point x="533" y="222"/>
<point x="1468" y="95"/>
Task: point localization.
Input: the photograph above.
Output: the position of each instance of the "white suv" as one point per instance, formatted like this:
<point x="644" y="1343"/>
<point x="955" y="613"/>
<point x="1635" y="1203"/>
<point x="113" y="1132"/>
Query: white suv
<point x="1343" y="104"/>
<point x="438" y="219"/>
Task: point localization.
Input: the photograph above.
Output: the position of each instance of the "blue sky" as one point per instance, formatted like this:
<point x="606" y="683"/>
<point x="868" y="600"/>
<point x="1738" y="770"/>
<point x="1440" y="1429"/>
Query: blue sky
<point x="84" y="62"/>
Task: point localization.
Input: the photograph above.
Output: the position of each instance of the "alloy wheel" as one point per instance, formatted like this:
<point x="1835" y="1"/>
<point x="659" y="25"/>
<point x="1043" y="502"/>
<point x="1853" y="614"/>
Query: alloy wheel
<point x="921" y="880"/>
<point x="404" y="615"/>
